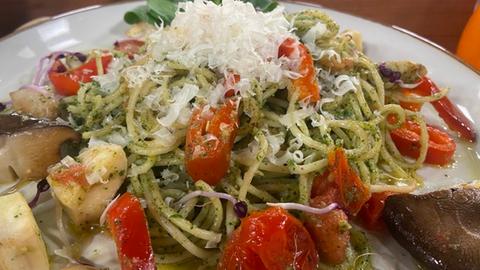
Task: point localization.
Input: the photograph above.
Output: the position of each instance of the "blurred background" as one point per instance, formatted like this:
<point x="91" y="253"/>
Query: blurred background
<point x="440" y="21"/>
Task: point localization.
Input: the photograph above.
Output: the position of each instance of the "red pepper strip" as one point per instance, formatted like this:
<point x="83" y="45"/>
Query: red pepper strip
<point x="307" y="85"/>
<point x="67" y="82"/>
<point x="448" y="111"/>
<point x="128" y="225"/>
<point x="371" y="212"/>
<point x="441" y="146"/>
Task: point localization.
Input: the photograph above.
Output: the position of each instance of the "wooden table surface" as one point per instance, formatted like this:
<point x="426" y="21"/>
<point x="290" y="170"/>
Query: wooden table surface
<point x="440" y="21"/>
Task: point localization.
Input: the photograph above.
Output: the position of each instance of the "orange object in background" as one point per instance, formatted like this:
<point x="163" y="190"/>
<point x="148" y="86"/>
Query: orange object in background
<point x="469" y="45"/>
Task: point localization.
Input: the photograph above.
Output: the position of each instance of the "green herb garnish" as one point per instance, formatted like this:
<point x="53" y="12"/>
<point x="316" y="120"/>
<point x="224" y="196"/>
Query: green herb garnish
<point x="163" y="11"/>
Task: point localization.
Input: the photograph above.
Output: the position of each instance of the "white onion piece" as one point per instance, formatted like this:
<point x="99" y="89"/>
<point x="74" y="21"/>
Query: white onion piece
<point x="63" y="235"/>
<point x="41" y="70"/>
<point x="104" y="213"/>
<point x="305" y="208"/>
<point x="407" y="85"/>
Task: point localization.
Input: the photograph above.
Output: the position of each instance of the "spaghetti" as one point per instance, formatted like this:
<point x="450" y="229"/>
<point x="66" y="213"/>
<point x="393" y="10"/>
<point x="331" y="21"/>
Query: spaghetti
<point x="282" y="143"/>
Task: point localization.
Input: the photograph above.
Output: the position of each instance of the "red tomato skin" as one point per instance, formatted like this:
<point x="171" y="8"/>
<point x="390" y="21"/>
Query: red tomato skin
<point x="67" y="83"/>
<point x="307" y="85"/>
<point x="352" y="192"/>
<point x="271" y="239"/>
<point x="441" y="147"/>
<point x="371" y="212"/>
<point x="288" y="48"/>
<point x="210" y="160"/>
<point x="230" y="80"/>
<point x="128" y="225"/>
<point x="330" y="240"/>
<point x="322" y="183"/>
<point x="129" y="46"/>
<point x="345" y="186"/>
<point x="238" y="255"/>
<point x="73" y="174"/>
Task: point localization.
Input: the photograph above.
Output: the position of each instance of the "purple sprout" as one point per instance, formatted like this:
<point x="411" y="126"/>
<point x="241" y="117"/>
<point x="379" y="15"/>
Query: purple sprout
<point x="241" y="209"/>
<point x="61" y="69"/>
<point x="392" y="76"/>
<point x="42" y="186"/>
<point x="80" y="56"/>
<point x="305" y="208"/>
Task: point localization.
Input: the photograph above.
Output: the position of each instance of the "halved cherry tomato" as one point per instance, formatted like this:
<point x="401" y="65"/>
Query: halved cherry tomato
<point x="342" y="181"/>
<point x="128" y="226"/>
<point x="271" y="239"/>
<point x="129" y="46"/>
<point x="441" y="146"/>
<point x="371" y="212"/>
<point x="448" y="111"/>
<point x="330" y="237"/>
<point x="67" y="82"/>
<point x="72" y="174"/>
<point x="209" y="142"/>
<point x="307" y="85"/>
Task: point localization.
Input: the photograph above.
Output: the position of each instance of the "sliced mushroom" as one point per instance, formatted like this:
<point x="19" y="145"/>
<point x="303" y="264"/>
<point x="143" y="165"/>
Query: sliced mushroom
<point x="34" y="103"/>
<point x="29" y="146"/>
<point x="440" y="229"/>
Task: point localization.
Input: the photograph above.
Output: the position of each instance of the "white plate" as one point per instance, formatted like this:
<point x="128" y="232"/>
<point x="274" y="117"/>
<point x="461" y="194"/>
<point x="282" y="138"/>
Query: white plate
<point x="99" y="27"/>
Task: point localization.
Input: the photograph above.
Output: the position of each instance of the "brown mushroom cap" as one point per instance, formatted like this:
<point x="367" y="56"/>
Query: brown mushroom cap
<point x="29" y="146"/>
<point x="440" y="229"/>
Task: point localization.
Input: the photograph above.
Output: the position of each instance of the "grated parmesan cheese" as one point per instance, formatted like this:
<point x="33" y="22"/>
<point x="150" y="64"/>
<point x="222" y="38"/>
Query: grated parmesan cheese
<point x="344" y="84"/>
<point x="312" y="34"/>
<point x="137" y="75"/>
<point x="180" y="101"/>
<point x="110" y="81"/>
<point x="232" y="36"/>
<point x="292" y="118"/>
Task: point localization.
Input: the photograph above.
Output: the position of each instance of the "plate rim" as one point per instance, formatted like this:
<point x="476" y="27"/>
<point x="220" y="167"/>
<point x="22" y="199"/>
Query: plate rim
<point x="397" y="28"/>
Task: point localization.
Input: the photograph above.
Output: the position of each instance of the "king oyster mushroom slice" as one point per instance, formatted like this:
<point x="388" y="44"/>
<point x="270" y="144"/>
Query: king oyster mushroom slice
<point x="34" y="103"/>
<point x="440" y="229"/>
<point x="29" y="146"/>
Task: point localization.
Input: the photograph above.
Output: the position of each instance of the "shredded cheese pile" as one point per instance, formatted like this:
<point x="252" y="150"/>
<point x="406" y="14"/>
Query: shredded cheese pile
<point x="232" y="37"/>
